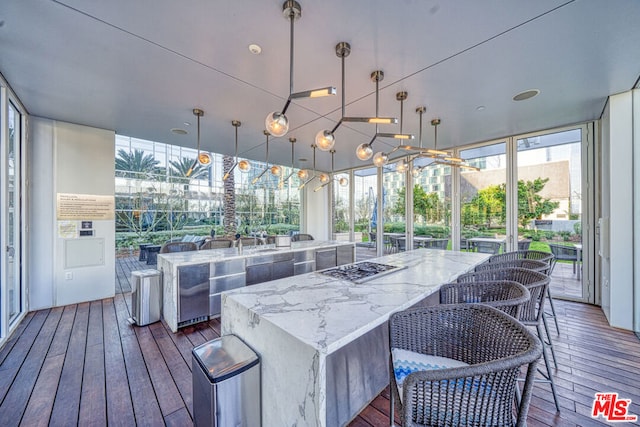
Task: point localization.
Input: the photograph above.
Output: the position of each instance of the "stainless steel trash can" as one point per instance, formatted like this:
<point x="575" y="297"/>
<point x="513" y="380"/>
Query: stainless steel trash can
<point x="226" y="384"/>
<point x="146" y="296"/>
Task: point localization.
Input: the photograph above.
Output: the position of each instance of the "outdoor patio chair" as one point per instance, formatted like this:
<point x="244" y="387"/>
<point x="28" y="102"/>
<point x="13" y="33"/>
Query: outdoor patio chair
<point x="523" y="245"/>
<point x="217" y="244"/>
<point x="531" y="313"/>
<point x="301" y="237"/>
<point x="565" y="253"/>
<point x="250" y="241"/>
<point x="455" y="365"/>
<point x="550" y="260"/>
<point x="487" y="247"/>
<point x="178" y="247"/>
<point x="505" y="295"/>
<point x="529" y="264"/>
<point x="436" y="244"/>
<point x="399" y="244"/>
<point x="372" y="240"/>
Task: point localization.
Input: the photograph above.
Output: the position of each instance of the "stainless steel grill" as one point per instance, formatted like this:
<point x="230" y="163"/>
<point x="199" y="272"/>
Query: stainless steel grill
<point x="361" y="272"/>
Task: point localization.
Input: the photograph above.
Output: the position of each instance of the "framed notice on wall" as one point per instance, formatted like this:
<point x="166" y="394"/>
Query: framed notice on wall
<point x="85" y="207"/>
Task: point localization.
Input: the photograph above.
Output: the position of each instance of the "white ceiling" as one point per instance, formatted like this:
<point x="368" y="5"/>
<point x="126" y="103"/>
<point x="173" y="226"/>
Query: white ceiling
<point x="140" y="67"/>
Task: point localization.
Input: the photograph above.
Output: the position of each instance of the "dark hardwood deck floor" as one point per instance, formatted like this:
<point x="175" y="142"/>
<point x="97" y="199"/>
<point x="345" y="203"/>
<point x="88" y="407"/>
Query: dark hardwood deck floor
<point x="84" y="364"/>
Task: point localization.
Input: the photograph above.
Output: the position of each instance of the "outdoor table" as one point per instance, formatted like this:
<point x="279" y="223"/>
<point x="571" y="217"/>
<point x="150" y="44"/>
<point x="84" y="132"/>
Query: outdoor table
<point x="143" y="251"/>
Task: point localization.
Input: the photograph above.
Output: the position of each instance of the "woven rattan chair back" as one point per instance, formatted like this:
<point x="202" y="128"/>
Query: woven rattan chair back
<point x="301" y="237"/>
<point x="505" y="295"/>
<point x="494" y="345"/>
<point x="217" y="244"/>
<point x="547" y="257"/>
<point x="535" y="282"/>
<point x="178" y="247"/>
<point x="529" y="264"/>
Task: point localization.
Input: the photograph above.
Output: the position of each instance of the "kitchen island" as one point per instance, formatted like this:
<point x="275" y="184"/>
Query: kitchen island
<point x="323" y="341"/>
<point x="193" y="281"/>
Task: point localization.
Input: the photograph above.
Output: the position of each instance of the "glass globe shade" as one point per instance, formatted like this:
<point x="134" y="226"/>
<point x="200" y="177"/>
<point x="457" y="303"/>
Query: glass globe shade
<point x="303" y="174"/>
<point x="204" y="159"/>
<point x="325" y="140"/>
<point x="324" y="178"/>
<point x="380" y="159"/>
<point x="244" y="165"/>
<point x="275" y="170"/>
<point x="415" y="172"/>
<point x="343" y="182"/>
<point x="277" y="124"/>
<point x="402" y="166"/>
<point x="364" y="151"/>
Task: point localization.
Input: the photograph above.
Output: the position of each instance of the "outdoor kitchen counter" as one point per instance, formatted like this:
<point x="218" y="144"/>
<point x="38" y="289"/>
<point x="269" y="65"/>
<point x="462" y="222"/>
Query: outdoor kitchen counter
<point x="192" y="282"/>
<point x="323" y="341"/>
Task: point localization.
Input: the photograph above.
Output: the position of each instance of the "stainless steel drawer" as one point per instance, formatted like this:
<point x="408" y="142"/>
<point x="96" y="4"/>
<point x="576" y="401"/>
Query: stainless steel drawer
<point x="325" y="258"/>
<point x="233" y="266"/>
<point x="304" y="267"/>
<point x="302" y="256"/>
<point x="225" y="283"/>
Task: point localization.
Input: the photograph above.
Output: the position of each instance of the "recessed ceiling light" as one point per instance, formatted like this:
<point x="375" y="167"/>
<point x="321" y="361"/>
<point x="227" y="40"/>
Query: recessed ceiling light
<point x="179" y="131"/>
<point x="187" y="124"/>
<point x="480" y="108"/>
<point x="255" y="49"/>
<point x="526" y="94"/>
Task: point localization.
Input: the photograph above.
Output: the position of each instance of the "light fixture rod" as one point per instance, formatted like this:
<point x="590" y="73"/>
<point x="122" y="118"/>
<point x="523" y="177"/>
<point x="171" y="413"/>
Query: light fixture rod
<point x="292" y="15"/>
<point x="236" y="124"/>
<point x="420" y="111"/>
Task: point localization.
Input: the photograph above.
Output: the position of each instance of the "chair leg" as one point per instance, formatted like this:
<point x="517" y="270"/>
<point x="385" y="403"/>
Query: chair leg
<point x="549" y="376"/>
<point x="548" y="342"/>
<point x="553" y="311"/>
<point x="391" y="407"/>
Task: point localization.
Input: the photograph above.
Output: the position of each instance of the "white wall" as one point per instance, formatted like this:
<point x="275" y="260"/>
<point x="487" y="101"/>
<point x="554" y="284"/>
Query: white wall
<point x="67" y="158"/>
<point x="620" y="130"/>
<point x="316" y="212"/>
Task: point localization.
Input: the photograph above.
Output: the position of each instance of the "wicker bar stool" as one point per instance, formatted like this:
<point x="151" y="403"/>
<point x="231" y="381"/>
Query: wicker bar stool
<point x="178" y="247"/>
<point x="532" y="312"/>
<point x="505" y="295"/>
<point x="546" y="257"/>
<point x="479" y="351"/>
<point x="217" y="244"/>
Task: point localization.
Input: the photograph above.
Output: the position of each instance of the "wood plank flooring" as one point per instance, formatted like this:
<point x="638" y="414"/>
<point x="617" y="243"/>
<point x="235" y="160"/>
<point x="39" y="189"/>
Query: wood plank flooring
<point x="84" y="364"/>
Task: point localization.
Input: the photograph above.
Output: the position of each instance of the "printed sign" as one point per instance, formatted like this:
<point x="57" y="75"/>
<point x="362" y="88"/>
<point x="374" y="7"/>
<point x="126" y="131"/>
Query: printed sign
<point x="85" y="207"/>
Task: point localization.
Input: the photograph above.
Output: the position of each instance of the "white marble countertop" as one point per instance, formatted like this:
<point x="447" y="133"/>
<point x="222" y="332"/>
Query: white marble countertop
<point x="327" y="313"/>
<point x="215" y="255"/>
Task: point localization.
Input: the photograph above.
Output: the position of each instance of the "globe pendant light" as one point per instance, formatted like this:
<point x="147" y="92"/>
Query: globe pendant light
<point x="325" y="179"/>
<point x="277" y="123"/>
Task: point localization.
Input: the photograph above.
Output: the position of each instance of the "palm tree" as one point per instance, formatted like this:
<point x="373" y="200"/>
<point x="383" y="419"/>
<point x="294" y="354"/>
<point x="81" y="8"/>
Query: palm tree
<point x="178" y="170"/>
<point x="229" y="198"/>
<point x="136" y="164"/>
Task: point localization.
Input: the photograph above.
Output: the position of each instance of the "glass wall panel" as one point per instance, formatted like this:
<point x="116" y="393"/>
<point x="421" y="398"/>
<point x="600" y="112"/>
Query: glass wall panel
<point x="161" y="195"/>
<point x="431" y="204"/>
<point x="550" y="204"/>
<point x="483" y="208"/>
<point x="364" y="182"/>
<point x="12" y="216"/>
<point x="340" y="207"/>
<point x="395" y="218"/>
